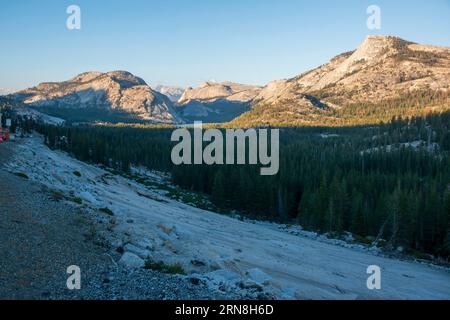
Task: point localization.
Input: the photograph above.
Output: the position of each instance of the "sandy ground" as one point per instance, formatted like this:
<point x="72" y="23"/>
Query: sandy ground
<point x="224" y="252"/>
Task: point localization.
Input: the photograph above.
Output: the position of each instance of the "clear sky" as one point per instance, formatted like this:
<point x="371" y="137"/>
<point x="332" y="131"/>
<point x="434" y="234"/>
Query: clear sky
<point x="185" y="42"/>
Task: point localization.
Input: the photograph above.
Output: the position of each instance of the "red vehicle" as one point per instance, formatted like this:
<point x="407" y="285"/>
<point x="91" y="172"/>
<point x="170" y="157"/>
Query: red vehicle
<point x="4" y="135"/>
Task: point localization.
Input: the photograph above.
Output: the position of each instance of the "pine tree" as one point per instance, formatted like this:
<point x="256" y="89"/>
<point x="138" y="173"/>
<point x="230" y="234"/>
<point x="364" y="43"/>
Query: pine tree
<point x="218" y="190"/>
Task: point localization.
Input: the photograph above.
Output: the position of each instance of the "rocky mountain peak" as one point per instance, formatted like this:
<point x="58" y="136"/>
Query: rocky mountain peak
<point x="375" y="46"/>
<point x="380" y="69"/>
<point x="124" y="78"/>
<point x="116" y="91"/>
<point x="86" y="76"/>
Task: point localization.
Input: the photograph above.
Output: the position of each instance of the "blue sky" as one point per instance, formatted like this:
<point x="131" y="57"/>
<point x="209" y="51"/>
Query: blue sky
<point x="186" y="42"/>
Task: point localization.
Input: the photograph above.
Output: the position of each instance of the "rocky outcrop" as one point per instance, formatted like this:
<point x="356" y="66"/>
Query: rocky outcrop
<point x="132" y="261"/>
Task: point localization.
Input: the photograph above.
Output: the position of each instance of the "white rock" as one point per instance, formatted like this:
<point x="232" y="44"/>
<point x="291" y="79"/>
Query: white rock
<point x="142" y="253"/>
<point x="258" y="276"/>
<point x="132" y="261"/>
<point x="87" y="196"/>
<point x="222" y="277"/>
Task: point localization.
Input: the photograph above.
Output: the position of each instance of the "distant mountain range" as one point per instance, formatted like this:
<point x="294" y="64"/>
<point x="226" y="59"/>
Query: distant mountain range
<point x="384" y="77"/>
<point x="173" y="93"/>
<point x="5" y="91"/>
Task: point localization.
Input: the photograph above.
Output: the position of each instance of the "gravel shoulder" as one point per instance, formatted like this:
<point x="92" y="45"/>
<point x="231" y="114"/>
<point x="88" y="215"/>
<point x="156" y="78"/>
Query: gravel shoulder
<point x="41" y="237"/>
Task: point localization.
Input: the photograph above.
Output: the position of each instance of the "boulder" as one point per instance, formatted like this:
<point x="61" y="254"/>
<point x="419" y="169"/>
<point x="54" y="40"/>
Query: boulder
<point x="131" y="261"/>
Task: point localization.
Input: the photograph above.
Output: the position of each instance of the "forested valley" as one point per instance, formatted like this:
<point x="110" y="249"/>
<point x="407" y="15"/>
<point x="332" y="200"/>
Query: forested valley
<point x="388" y="184"/>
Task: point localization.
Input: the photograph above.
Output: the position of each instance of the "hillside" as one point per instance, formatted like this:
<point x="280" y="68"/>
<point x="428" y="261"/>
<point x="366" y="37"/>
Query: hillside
<point x="384" y="77"/>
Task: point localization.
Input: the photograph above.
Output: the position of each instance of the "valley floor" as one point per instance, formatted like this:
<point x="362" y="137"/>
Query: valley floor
<point x="231" y="257"/>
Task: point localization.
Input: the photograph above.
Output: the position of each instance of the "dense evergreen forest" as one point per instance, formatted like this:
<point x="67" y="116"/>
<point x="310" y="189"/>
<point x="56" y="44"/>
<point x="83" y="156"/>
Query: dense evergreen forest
<point x="390" y="181"/>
